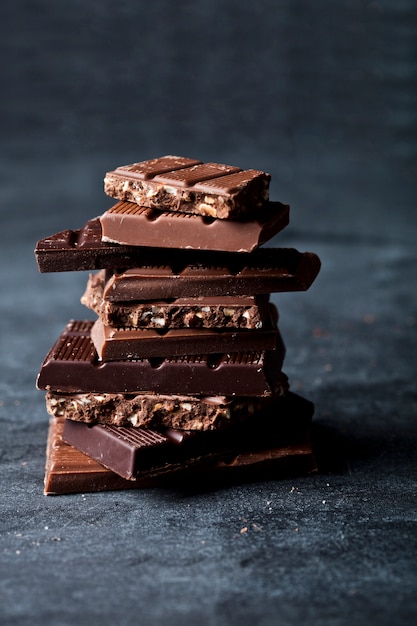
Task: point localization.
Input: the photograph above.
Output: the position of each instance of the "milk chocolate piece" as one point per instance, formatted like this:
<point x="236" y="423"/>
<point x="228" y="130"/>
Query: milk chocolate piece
<point x="158" y="411"/>
<point x="197" y="312"/>
<point x="129" y="224"/>
<point x="275" y="270"/>
<point x="138" y="452"/>
<point x="77" y="250"/>
<point x="68" y="470"/>
<point x="72" y="366"/>
<point x="120" y="344"/>
<point x="212" y="189"/>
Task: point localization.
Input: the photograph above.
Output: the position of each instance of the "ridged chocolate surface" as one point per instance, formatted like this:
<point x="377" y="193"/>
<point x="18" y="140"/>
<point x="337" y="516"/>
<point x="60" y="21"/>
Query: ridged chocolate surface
<point x="72" y="366"/>
<point x="151" y="168"/>
<point x="130" y="224"/>
<point x="200" y="173"/>
<point x="126" y="451"/>
<point x="67" y="470"/>
<point x="135" y="454"/>
<point x="213" y="189"/>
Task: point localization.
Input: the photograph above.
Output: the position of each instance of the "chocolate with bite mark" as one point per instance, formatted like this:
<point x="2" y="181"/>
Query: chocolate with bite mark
<point x="212" y="189"/>
<point x="72" y="366"/>
<point x="129" y="224"/>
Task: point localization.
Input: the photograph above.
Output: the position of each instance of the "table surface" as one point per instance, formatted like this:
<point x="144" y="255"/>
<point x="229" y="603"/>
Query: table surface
<point x="337" y="547"/>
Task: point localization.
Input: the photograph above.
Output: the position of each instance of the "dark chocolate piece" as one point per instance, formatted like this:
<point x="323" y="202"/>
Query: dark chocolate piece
<point x="120" y="344"/>
<point x="137" y="452"/>
<point x="212" y="189"/>
<point x="129" y="224"/>
<point x="77" y="250"/>
<point x="126" y="451"/>
<point x="72" y="366"/>
<point x="198" y="312"/>
<point x="158" y="411"/>
<point x="83" y="249"/>
<point x="68" y="470"/>
<point x="275" y="270"/>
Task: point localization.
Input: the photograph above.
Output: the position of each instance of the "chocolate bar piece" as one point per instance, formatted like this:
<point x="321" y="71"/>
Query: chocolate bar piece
<point x="83" y="249"/>
<point x="137" y="452"/>
<point x="198" y="312"/>
<point x="277" y="270"/>
<point x="72" y="366"/>
<point x="126" y="451"/>
<point x="78" y="250"/>
<point x="189" y="186"/>
<point x="130" y="224"/>
<point x="120" y="344"/>
<point x="158" y="411"/>
<point x="67" y="470"/>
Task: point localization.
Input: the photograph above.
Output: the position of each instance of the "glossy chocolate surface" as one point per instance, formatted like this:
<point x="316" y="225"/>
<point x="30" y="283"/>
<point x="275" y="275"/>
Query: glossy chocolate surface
<point x="118" y="344"/>
<point x="67" y="470"/>
<point x="129" y="224"/>
<point x="137" y="452"/>
<point x="83" y="249"/>
<point x="194" y="312"/>
<point x="212" y="189"/>
<point x="266" y="271"/>
<point x="72" y="366"/>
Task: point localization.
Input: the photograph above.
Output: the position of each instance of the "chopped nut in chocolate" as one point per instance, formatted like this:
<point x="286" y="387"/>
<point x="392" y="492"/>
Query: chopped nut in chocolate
<point x="181" y="373"/>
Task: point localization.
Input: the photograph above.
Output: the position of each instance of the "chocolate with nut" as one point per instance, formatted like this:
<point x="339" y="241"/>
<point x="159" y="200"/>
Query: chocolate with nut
<point x="67" y="470"/>
<point x="139" y="452"/>
<point x="118" y="344"/>
<point x="158" y="411"/>
<point x="193" y="312"/>
<point x="179" y="184"/>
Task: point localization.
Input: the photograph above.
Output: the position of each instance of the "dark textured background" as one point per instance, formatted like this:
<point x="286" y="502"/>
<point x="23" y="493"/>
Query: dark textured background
<point x="322" y="95"/>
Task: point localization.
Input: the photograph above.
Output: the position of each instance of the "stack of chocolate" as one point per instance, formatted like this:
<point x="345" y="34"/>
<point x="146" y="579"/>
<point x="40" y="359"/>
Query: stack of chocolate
<point x="180" y="375"/>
